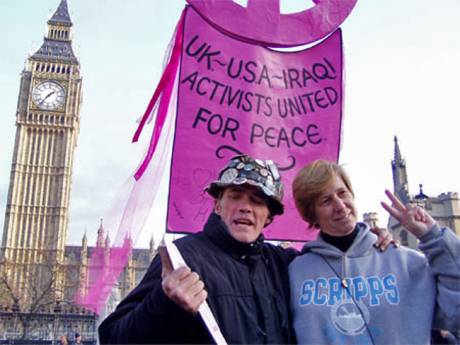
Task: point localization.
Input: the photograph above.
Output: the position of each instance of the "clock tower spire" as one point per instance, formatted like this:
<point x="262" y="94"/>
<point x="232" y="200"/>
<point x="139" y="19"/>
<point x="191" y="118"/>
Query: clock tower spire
<point x="400" y="182"/>
<point x="61" y="16"/>
<point x="47" y="126"/>
<point x="58" y="41"/>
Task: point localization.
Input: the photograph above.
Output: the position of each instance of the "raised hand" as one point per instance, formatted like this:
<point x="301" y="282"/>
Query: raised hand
<point x="181" y="285"/>
<point x="412" y="217"/>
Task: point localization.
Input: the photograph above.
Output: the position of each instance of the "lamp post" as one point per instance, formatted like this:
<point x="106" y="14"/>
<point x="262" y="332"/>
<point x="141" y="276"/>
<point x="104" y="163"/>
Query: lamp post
<point x="57" y="310"/>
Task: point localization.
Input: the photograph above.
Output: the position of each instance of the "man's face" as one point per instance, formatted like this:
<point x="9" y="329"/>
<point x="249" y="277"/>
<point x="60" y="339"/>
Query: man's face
<point x="245" y="212"/>
<point x="335" y="209"/>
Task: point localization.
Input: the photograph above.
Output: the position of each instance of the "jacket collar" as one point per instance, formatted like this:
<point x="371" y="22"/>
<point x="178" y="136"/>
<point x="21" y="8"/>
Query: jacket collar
<point x="218" y="233"/>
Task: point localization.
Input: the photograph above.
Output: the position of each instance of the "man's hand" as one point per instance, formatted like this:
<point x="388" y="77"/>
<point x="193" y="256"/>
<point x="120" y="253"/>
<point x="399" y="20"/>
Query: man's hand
<point x="412" y="217"/>
<point x="385" y="238"/>
<point x="181" y="285"/>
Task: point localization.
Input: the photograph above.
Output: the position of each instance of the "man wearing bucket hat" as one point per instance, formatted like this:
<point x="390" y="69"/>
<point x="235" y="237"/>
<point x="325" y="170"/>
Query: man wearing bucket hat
<point x="243" y="279"/>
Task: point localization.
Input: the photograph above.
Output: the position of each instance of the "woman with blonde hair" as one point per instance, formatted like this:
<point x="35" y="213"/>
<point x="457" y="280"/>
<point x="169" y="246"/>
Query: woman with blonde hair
<point x="345" y="291"/>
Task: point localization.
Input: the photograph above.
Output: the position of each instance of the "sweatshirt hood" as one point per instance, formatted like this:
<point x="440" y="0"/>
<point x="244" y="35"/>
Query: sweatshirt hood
<point x="362" y="245"/>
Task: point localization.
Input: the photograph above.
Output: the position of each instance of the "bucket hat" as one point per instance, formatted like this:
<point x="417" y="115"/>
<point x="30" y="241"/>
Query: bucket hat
<point x="262" y="174"/>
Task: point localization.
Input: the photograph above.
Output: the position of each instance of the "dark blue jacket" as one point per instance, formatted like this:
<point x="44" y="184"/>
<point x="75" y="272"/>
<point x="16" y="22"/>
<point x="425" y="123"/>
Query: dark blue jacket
<point x="248" y="292"/>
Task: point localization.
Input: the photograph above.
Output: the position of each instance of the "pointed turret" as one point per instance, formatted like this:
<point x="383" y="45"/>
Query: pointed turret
<point x="61" y="16"/>
<point x="107" y="242"/>
<point x="421" y="195"/>
<point x="100" y="235"/>
<point x="84" y="242"/>
<point x="400" y="183"/>
<point x="84" y="250"/>
<point x="107" y="252"/>
<point x="58" y="41"/>
<point x="397" y="151"/>
<point x="128" y="245"/>
<point x="152" y="250"/>
<point x="128" y="242"/>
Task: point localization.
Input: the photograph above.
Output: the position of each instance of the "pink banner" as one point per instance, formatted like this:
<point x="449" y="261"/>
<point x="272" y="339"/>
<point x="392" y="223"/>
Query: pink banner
<point x="234" y="98"/>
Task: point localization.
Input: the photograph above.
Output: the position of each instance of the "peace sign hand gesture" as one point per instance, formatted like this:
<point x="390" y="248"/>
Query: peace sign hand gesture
<point x="413" y="218"/>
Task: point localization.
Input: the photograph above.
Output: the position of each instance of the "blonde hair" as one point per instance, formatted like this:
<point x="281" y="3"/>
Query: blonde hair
<point x="311" y="181"/>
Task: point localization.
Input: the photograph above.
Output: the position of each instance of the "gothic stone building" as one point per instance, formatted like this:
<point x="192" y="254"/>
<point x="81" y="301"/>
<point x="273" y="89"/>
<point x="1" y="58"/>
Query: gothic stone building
<point x="445" y="208"/>
<point x="39" y="274"/>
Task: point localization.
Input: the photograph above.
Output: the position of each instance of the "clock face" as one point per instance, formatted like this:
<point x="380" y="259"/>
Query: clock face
<point x="48" y="95"/>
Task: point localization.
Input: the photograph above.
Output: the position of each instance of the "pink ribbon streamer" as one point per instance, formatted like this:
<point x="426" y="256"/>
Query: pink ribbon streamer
<point x="128" y="216"/>
<point x="130" y="209"/>
<point x="165" y="87"/>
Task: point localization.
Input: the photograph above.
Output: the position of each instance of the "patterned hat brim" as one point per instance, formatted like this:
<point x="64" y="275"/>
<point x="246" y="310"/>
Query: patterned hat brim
<point x="275" y="206"/>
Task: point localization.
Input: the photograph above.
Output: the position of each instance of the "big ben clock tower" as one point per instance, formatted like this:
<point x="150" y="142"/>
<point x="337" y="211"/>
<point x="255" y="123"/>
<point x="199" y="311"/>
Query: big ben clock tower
<point x="47" y="126"/>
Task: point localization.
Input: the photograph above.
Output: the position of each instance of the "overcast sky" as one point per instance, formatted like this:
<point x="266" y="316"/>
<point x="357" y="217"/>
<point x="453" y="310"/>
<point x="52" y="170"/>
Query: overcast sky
<point x="402" y="61"/>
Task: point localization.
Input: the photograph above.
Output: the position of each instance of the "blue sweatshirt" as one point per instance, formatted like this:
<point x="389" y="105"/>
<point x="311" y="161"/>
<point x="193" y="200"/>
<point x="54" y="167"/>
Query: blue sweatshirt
<point x="364" y="296"/>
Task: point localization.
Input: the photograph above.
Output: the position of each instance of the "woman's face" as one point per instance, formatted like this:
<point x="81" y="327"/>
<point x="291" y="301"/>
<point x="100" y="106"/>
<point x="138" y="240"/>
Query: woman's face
<point x="335" y="209"/>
